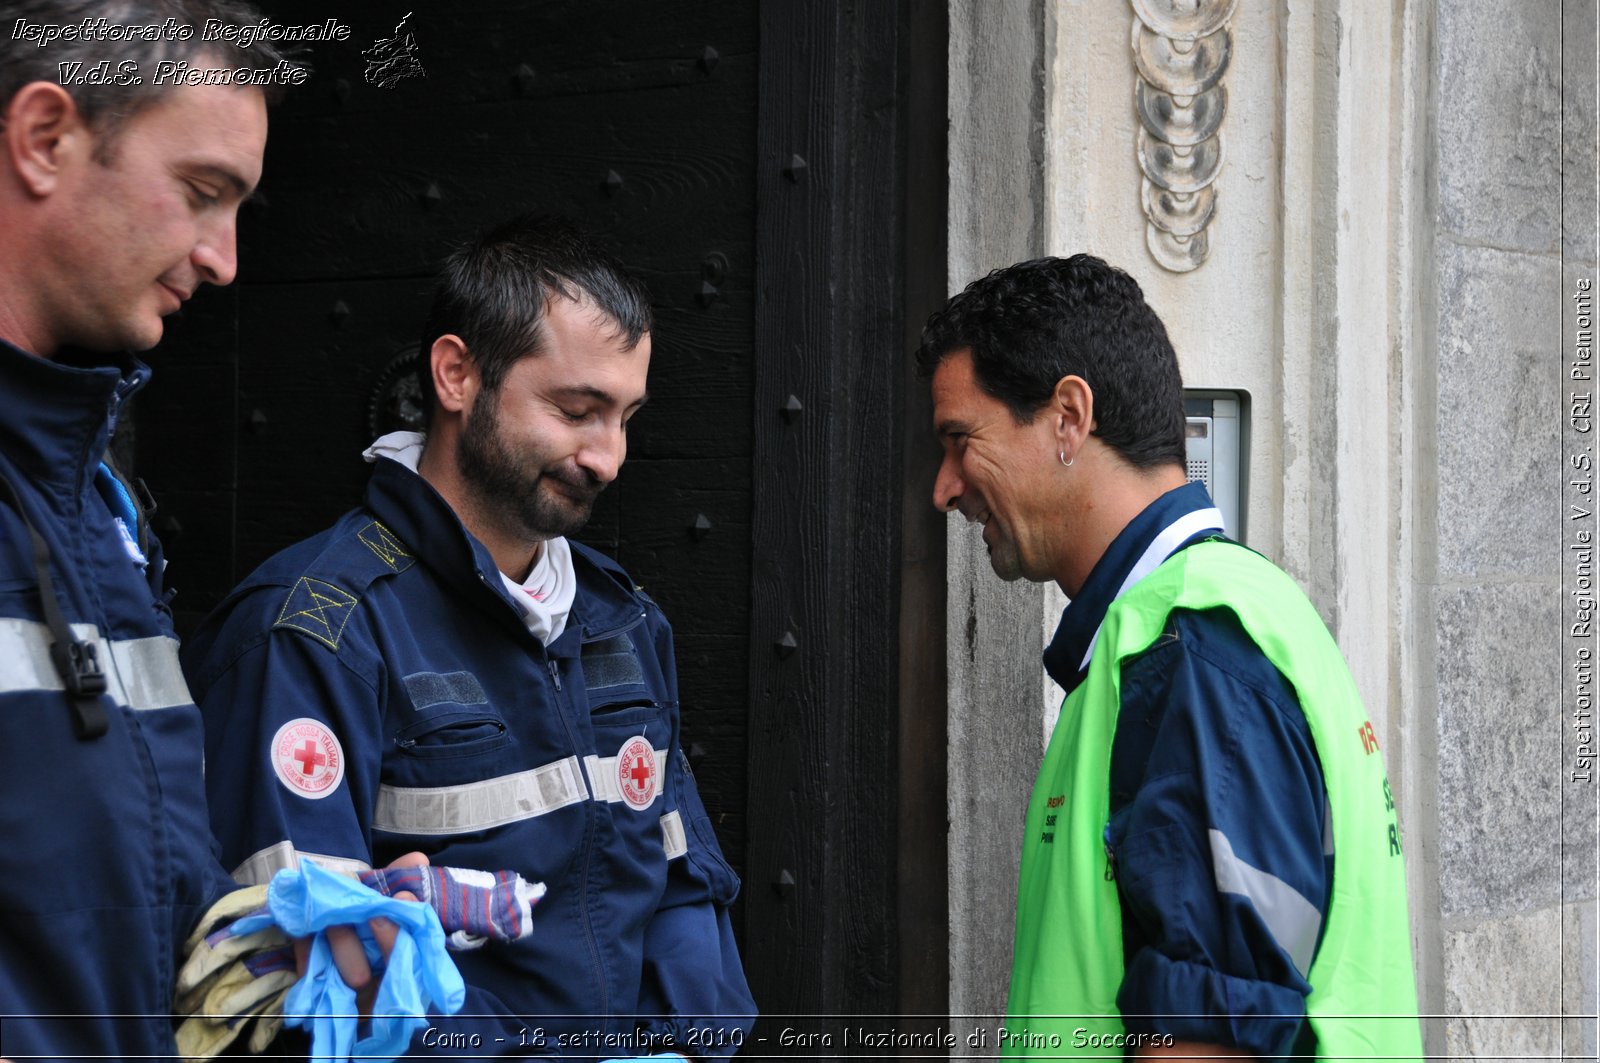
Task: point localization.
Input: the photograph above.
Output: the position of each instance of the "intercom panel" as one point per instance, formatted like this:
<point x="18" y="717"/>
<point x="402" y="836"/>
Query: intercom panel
<point x="1217" y="435"/>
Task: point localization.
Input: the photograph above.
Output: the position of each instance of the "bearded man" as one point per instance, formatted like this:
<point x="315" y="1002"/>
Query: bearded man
<point x="443" y="671"/>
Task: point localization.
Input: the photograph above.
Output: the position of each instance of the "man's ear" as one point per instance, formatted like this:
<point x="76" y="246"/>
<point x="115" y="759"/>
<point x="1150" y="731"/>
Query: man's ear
<point x="455" y="373"/>
<point x="1072" y="406"/>
<point x="43" y="129"/>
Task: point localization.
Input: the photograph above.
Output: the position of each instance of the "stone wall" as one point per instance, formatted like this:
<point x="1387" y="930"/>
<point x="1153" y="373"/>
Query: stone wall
<point x="996" y="218"/>
<point x="1514" y="852"/>
<point x="1406" y="208"/>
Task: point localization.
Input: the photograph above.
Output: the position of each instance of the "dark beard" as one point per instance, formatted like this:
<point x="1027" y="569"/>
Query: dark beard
<point x="506" y="490"/>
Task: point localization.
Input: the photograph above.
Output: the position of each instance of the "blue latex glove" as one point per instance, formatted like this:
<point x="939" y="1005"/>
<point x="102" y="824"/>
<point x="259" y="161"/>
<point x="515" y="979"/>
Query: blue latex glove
<point x="419" y="973"/>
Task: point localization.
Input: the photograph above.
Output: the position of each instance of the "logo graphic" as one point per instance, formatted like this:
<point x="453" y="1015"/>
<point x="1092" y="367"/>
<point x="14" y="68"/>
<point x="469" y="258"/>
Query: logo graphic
<point x="308" y="758"/>
<point x="638" y="778"/>
<point x="391" y="60"/>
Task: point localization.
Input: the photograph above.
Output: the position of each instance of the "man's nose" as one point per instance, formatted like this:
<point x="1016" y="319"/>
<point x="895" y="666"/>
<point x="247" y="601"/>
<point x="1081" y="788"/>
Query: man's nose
<point x="602" y="456"/>
<point x="215" y="255"/>
<point x="947" y="486"/>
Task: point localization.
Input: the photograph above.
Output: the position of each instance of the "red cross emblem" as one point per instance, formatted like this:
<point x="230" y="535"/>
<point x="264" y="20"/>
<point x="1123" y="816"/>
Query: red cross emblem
<point x="307" y="758"/>
<point x="637" y="774"/>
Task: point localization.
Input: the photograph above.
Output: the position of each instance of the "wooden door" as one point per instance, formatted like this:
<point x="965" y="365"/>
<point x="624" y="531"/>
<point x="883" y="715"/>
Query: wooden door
<point x="774" y="172"/>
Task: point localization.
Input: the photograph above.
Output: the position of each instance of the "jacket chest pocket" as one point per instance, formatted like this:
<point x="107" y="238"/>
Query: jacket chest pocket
<point x="613" y="675"/>
<point x="629" y="722"/>
<point x="450" y="717"/>
<point x="621" y="703"/>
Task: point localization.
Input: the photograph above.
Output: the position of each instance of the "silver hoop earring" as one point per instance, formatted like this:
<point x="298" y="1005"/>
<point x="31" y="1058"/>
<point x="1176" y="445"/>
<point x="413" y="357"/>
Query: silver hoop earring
<point x="1066" y="462"/>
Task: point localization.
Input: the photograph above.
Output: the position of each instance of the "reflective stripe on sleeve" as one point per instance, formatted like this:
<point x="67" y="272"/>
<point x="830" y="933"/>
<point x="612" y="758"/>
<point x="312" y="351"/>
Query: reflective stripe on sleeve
<point x="1292" y="920"/>
<point x="260" y="867"/>
<point x="479" y="805"/>
<point x="141" y="674"/>
<point x="672" y="839"/>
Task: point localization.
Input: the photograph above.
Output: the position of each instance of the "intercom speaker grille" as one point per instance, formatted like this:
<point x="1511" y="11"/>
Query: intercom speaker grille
<point x="1200" y="471"/>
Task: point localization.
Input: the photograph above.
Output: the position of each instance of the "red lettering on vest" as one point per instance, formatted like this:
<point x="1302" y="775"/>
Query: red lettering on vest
<point x="1369" y="740"/>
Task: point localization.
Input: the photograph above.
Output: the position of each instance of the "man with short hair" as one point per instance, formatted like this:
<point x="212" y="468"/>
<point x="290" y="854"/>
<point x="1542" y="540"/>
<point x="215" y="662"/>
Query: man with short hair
<point x="117" y="201"/>
<point x="114" y="208"/>
<point x="1212" y="764"/>
<point x="443" y="670"/>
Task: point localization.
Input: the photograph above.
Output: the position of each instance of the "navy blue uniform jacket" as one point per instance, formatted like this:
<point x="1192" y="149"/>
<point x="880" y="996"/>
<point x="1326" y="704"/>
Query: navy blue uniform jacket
<point x="374" y="690"/>
<point x="106" y="862"/>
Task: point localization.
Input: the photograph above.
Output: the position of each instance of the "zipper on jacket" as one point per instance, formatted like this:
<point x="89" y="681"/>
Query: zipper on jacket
<point x="597" y="965"/>
<point x="1111" y="856"/>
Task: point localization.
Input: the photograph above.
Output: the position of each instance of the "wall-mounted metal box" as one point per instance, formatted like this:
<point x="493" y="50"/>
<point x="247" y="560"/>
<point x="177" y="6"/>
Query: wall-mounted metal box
<point x="1218" y="438"/>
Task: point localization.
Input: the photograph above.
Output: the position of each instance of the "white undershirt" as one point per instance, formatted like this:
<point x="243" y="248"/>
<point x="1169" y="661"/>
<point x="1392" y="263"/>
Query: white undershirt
<point x="545" y="597"/>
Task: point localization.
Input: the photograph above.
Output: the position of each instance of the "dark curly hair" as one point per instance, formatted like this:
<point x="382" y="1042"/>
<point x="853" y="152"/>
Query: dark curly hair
<point x="1031" y="324"/>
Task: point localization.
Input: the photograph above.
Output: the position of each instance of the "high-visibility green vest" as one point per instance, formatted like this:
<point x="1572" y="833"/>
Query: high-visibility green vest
<point x="1067" y="965"/>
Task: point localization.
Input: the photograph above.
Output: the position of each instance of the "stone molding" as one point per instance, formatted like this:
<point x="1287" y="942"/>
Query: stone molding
<point x="1181" y="49"/>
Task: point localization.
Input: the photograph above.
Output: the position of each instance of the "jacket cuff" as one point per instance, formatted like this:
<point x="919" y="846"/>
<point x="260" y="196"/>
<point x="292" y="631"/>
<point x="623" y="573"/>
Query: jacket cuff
<point x="1195" y="1003"/>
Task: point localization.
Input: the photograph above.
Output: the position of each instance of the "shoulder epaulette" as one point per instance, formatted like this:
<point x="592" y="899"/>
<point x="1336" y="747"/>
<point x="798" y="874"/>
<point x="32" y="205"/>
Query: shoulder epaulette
<point x="322" y="598"/>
